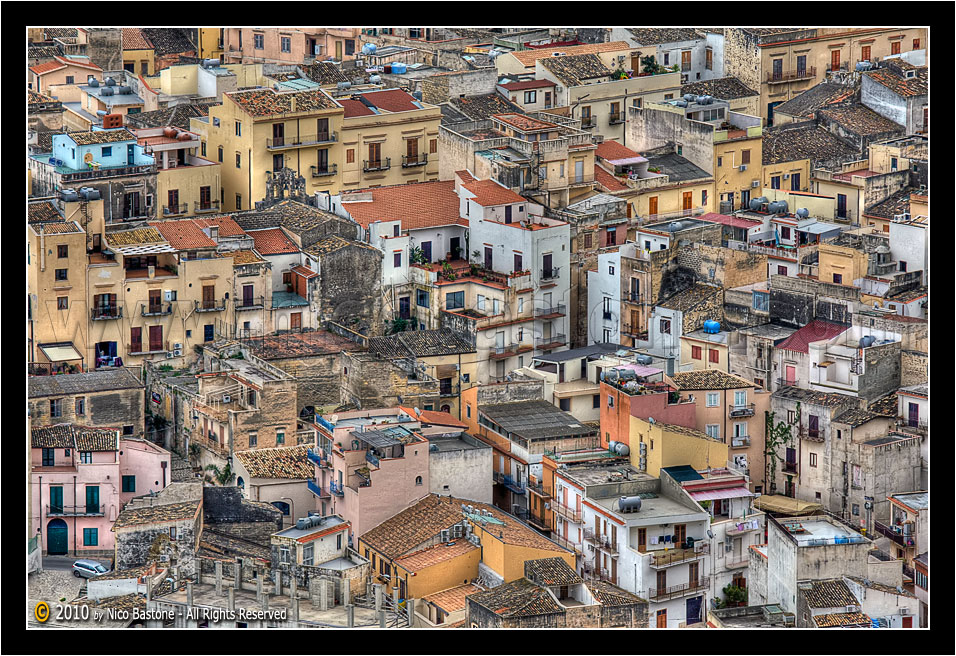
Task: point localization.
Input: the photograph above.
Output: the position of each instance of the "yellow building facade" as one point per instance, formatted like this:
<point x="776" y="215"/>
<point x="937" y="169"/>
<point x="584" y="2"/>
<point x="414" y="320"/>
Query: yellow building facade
<point x="841" y="265"/>
<point x="738" y="163"/>
<point x="669" y="445"/>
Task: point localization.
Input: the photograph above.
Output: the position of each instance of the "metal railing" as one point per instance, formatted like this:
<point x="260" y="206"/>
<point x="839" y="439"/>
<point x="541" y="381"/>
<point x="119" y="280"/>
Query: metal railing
<point x="505" y="350"/>
<point x="419" y="160"/>
<point x="301" y="140"/>
<point x="739" y="441"/>
<point x="316" y="489"/>
<point x="786" y="382"/>
<point x="448" y="390"/>
<point x="372" y="458"/>
<point x="661" y="594"/>
<point x="616" y="118"/>
<point x="674" y="557"/>
<point x="336" y="489"/>
<point x="633" y="331"/>
<point x="208" y="206"/>
<point x="732" y="529"/>
<point x="150" y="348"/>
<point x="255" y="303"/>
<point x="540" y="489"/>
<point x="567" y="544"/>
<point x="633" y="297"/>
<point x="733" y="561"/>
<point x="314" y="457"/>
<point x="588" y="122"/>
<point x="211" y="306"/>
<point x="891" y="533"/>
<point x="377" y="165"/>
<point x="790" y="468"/>
<point x="553" y="340"/>
<point x="742" y="410"/>
<point x="104" y="313"/>
<point x="550" y="274"/>
<point x="774" y="77"/>
<point x="325" y="171"/>
<point x="556" y="310"/>
<point x="538" y="522"/>
<point x="157" y="310"/>
<point x="580" y="179"/>
<point x="513" y="485"/>
<point x="566" y="512"/>
<point x="174" y="210"/>
<point x="108" y="173"/>
<point x="75" y="511"/>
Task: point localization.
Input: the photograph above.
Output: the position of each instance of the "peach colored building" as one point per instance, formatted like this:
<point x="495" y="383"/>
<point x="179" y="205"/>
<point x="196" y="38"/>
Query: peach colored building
<point x="79" y="482"/>
<point x="289" y="45"/>
<point x="733" y="410"/>
<point x="654" y="399"/>
<point x="62" y="70"/>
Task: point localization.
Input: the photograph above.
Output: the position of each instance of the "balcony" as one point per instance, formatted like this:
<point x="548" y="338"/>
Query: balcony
<point x="162" y="347"/>
<point x="540" y="490"/>
<point x="633" y="297"/>
<point x="211" y="306"/>
<point x="777" y="77"/>
<point x="336" y="489"/>
<point x="617" y="118"/>
<point x="513" y="485"/>
<point x="448" y="389"/>
<point x="301" y="140"/>
<point x="917" y="427"/>
<point x="602" y="541"/>
<point x="588" y="122"/>
<point x="324" y="171"/>
<point x="568" y="513"/>
<point x="157" y="310"/>
<point x="316" y="489"/>
<point x="676" y="556"/>
<point x="207" y="206"/>
<point x="739" y="441"/>
<point x="551" y="342"/>
<point x="790" y="468"/>
<point x="570" y="546"/>
<point x="550" y="274"/>
<point x="674" y="591"/>
<point x="118" y="171"/>
<point x="633" y="331"/>
<point x="254" y="303"/>
<point x="742" y="410"/>
<point x="106" y="312"/>
<point x="786" y="382"/>
<point x="895" y="535"/>
<point x="377" y="165"/>
<point x="576" y="180"/>
<point x="550" y="312"/>
<point x="178" y="209"/>
<point x="371" y="458"/>
<point x="812" y="434"/>
<point x="314" y="457"/>
<point x="735" y="528"/>
<point x="538" y="523"/>
<point x="736" y="561"/>
<point x="411" y="161"/>
<point x="75" y="511"/>
<point x="507" y="350"/>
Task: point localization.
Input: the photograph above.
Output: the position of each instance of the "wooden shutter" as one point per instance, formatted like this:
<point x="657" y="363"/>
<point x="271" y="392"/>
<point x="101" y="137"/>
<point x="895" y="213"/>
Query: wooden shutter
<point x="652" y="205"/>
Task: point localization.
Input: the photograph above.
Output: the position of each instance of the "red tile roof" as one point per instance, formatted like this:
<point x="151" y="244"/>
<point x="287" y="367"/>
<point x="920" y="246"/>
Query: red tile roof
<point x="489" y="193"/>
<point x="272" y="241"/>
<point x="46" y="67"/>
<point x="530" y="84"/>
<point x="614" y="150"/>
<point x="226" y="224"/>
<point x="735" y="221"/>
<point x="863" y="173"/>
<point x="435" y="417"/>
<point x="465" y="176"/>
<point x="421" y="205"/>
<point x="524" y="123"/>
<point x="529" y="57"/>
<point x="812" y="332"/>
<point x="441" y="553"/>
<point x="133" y="39"/>
<point x="305" y="272"/>
<point x="183" y="234"/>
<point x="80" y="63"/>
<point x="392" y="100"/>
<point x="355" y="108"/>
<point x="608" y="181"/>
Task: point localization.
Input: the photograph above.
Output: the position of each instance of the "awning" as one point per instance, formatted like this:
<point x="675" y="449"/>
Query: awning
<point x="60" y="352"/>
<point x="726" y="493"/>
<point x="626" y="160"/>
<point x="785" y="505"/>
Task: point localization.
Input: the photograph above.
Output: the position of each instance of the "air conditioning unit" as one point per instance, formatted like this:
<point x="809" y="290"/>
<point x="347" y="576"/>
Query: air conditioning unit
<point x="786" y="176"/>
<point x="643" y="448"/>
<point x="445" y="535"/>
<point x="226" y="398"/>
<point x="164" y="558"/>
<point x="168" y="294"/>
<point x="177" y="345"/>
<point x="642" y="463"/>
<point x="177" y="353"/>
<point x="904" y="611"/>
<point x="169" y="354"/>
<point x="743" y="167"/>
<point x="755" y="184"/>
<point x="852" y="609"/>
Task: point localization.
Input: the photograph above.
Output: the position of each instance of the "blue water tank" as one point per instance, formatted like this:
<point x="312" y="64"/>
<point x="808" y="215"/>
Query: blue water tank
<point x="399" y="68"/>
<point x="756" y="203"/>
<point x="778" y="207"/>
<point x="711" y="327"/>
<point x="643" y="359"/>
<point x="803" y="212"/>
<point x="375" y="79"/>
<point x="867" y="341"/>
<point x="368" y="49"/>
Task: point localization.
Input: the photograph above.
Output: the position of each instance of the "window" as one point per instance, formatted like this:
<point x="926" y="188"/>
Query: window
<point x="422" y="298"/>
<point x="596" y="401"/>
<point x="666" y="326"/>
<point x="90" y="537"/>
<point x="308" y="554"/>
<point x="695" y="352"/>
<point x="865" y="54"/>
<point x="610" y="270"/>
<point x="62" y="302"/>
<point x="856" y="510"/>
<point x="81" y="406"/>
<point x="238" y="160"/>
<point x="455" y="300"/>
<point x="253" y="439"/>
<point x="838" y="278"/>
<point x="813" y="460"/>
<point x="791" y="414"/>
<point x="283" y="554"/>
<point x="258" y="41"/>
<point x="202" y="148"/>
<point x="588" y="240"/>
<point x="220" y="153"/>
<point x="775" y="182"/>
<point x="895" y="48"/>
<point x="902" y="266"/>
<point x="713" y="399"/>
<point x="418" y="480"/>
<point x="565" y="404"/>
<point x="530" y="97"/>
<point x="610" y="401"/>
<point x="238" y="201"/>
<point x="915" y="44"/>
<point x="286" y="44"/>
<point x="397" y="259"/>
<point x="86" y="457"/>
<point x="713" y="430"/>
<point x="433" y="146"/>
<point x="60" y="274"/>
<point x="801" y="64"/>
<point x="350" y="156"/>
<point x="49" y="456"/>
<point x="667" y="59"/>
<point x="238" y="128"/>
<point x="703" y="198"/>
<point x="468" y="411"/>
<point x="762" y="300"/>
<point x="56" y="407"/>
<point x="709" y="59"/>
<point x="129" y="484"/>
<point x="280" y="437"/>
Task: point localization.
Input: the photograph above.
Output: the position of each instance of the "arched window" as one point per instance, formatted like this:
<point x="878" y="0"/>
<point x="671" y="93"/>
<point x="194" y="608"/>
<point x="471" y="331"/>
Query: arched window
<point x="283" y="506"/>
<point x="418" y="480"/>
<point x="240" y="483"/>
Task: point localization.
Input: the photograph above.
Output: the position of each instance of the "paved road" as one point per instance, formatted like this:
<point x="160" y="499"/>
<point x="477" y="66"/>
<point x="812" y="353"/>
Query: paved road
<point x="65" y="563"/>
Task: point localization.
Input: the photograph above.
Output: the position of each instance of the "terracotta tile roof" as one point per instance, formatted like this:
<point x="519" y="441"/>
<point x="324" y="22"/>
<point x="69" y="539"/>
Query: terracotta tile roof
<point x="520" y="598"/>
<point x="226" y="224"/>
<point x="611" y="595"/>
<point x="421" y="205"/>
<point x="42" y="51"/>
<point x="244" y="256"/>
<point x="183" y="234"/>
<point x="613" y="150"/>
<point x="35" y="98"/>
<point x="812" y="332"/>
<point x="813" y="397"/>
<point x="452" y="599"/>
<point x="268" y="102"/>
<point x="325" y="73"/>
<point x="101" y="136"/>
<point x="722" y="88"/>
<point x="168" y="40"/>
<point x="277" y="347"/>
<point x="856" y="417"/>
<point x="440" y="418"/>
<point x="608" y="181"/>
<point x="292" y="215"/>
<point x="391" y="100"/>
<point x="900" y="84"/>
<point x="429" y="516"/>
<point x="708" y="379"/>
<point x="85" y="383"/>
<point x="272" y="241"/>
<point x="859" y="119"/>
<point x="885" y="406"/>
<point x="829" y="594"/>
<point x="535" y="420"/>
<point x="420" y="343"/>
<point x="52" y="227"/>
<point x="133" y="237"/>
<point x="689" y="297"/>
<point x="841" y="619"/>
<point x="524" y="123"/>
<point x="46" y="67"/>
<point x="650" y="36"/>
<point x="170" y="512"/>
<point x="133" y="39"/>
<point x="490" y="192"/>
<point x="177" y="116"/>
<point x="43" y="211"/>
<point x="58" y="436"/>
<point x="306" y="272"/>
<point x="529" y="57"/>
<point x="483" y="106"/>
<point x="329" y="244"/>
<point x="735" y="221"/>
<point x="529" y="84"/>
<point x="280" y="462"/>
<point x="355" y="108"/>
<point x="60" y="32"/>
<point x="89" y="438"/>
<point x="806" y="104"/>
<point x="894" y="204"/>
<point x="419" y="560"/>
<point x="807" y="142"/>
<point x="575" y="70"/>
<point x="220" y="546"/>
<point x="550" y="572"/>
<point x="882" y="587"/>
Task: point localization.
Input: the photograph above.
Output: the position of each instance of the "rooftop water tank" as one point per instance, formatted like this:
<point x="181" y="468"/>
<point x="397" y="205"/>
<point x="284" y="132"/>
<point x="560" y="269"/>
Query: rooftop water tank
<point x="344" y="85"/>
<point x="675" y="226"/>
<point x="110" y="82"/>
<point x="417" y="95"/>
<point x="124" y="90"/>
<point x="711" y="327"/>
<point x="757" y="203"/>
<point x="611" y="445"/>
<point x="375" y="79"/>
<point x="627" y="374"/>
<point x="399" y="68"/>
<point x="106" y="91"/>
<point x="644" y="359"/>
<point x="629" y="504"/>
<point x="69" y="195"/>
<point x="169" y="132"/>
<point x="778" y="207"/>
<point x="93" y="82"/>
<point x="705" y="100"/>
<point x="803" y="212"/>
<point x="690" y="97"/>
<point x="864" y="65"/>
<point x="680" y="103"/>
<point x="622" y="449"/>
<point x="369" y="49"/>
<point x="210" y="63"/>
<point x="867" y="341"/>
<point x="183" y="136"/>
<point x="303" y="523"/>
<point x="101" y="112"/>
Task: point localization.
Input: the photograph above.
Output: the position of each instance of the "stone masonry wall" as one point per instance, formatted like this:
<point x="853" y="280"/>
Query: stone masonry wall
<point x="914" y="367"/>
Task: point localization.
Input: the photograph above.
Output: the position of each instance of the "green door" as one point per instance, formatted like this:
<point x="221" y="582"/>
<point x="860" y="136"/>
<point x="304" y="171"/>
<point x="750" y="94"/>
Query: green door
<point x="56" y="500"/>
<point x="92" y="498"/>
<point x="56" y="537"/>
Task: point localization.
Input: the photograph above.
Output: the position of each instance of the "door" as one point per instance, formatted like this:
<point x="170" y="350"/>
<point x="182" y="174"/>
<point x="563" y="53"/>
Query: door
<point x="295" y="321"/>
<point x="131" y="205"/>
<point x="794" y="182"/>
<point x="57" y="537"/>
<point x="913" y="414"/>
<point x="791" y="375"/>
<point x="135" y="340"/>
<point x="693" y="610"/>
<point x="499" y="342"/>
<point x="247" y="295"/>
<point x="642" y="539"/>
<point x="338" y="51"/>
<point x="661" y="581"/>
<point x="208" y="332"/>
<point x="652" y="206"/>
<point x="488" y="258"/>
<point x="841" y="206"/>
<point x="427" y="250"/>
<point x="688" y="200"/>
<point x="155" y="300"/>
<point x="411" y="149"/>
<point x="322" y="129"/>
<point x="174" y="201"/>
<point x="777" y="69"/>
<point x="744" y="199"/>
<point x="813" y="425"/>
<point x="835" y="60"/>
<point x="579" y="170"/>
<point x="685" y="61"/>
<point x="546" y="265"/>
<point x="278" y="134"/>
<point x="56" y="497"/>
<point x="547" y="99"/>
<point x="907" y="622"/>
<point x="662" y="619"/>
<point x="278" y="162"/>
<point x="680" y="533"/>
<point x="375" y="155"/>
<point x="404" y="307"/>
<point x="507" y="213"/>
<point x="130" y="155"/>
<point x="92" y="498"/>
<point x="455" y="246"/>
<point x="204" y="198"/>
<point x="208" y="297"/>
<point x="155" y="338"/>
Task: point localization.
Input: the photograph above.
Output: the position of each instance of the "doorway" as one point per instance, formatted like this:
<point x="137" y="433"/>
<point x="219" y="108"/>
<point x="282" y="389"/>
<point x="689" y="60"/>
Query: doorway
<point x="57" y="538"/>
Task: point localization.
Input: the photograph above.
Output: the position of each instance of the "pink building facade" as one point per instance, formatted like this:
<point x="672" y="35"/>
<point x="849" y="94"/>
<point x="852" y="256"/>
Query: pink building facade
<point x="79" y="481"/>
<point x="289" y="45"/>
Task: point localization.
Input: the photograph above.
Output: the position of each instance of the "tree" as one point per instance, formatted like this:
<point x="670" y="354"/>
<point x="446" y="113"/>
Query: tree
<point x="733" y="596"/>
<point x="778" y="434"/>
<point x="399" y="325"/>
<point x="222" y="476"/>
